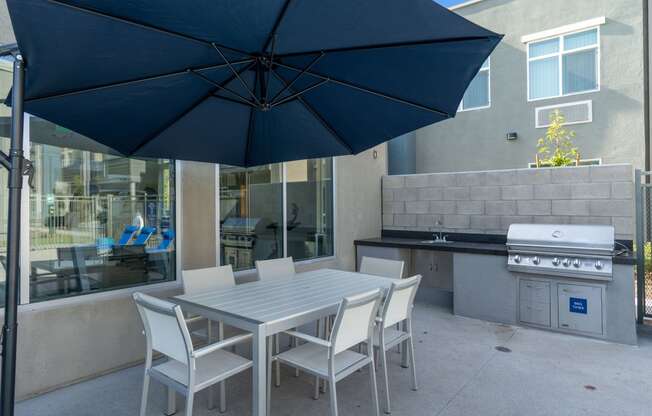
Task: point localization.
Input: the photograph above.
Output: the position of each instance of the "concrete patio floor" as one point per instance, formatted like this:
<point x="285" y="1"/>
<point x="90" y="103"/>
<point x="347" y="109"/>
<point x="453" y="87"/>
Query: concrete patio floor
<point x="460" y="374"/>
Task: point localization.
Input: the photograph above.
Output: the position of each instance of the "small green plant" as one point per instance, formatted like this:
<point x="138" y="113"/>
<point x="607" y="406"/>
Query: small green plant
<point x="556" y="148"/>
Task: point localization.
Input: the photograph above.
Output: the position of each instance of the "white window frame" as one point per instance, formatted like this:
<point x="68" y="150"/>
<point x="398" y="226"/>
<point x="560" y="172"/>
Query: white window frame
<point x="537" y="110"/>
<point x="244" y="272"/>
<point x="560" y="57"/>
<point x="461" y="108"/>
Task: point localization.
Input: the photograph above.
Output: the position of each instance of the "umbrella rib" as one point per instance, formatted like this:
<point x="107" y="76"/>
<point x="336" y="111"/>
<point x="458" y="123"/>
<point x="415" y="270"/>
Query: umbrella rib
<point x="369" y="91"/>
<point x="318" y="116"/>
<point x="143" y="25"/>
<point x="297" y="94"/>
<point x="392" y="45"/>
<point x="221" y="87"/>
<point x="250" y="130"/>
<point x="277" y="23"/>
<point x="303" y="71"/>
<point x="244" y="84"/>
<point x="182" y="115"/>
<point x="133" y="81"/>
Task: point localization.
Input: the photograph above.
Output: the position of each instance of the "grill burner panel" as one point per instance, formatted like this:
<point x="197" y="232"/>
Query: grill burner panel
<point x="580" y="251"/>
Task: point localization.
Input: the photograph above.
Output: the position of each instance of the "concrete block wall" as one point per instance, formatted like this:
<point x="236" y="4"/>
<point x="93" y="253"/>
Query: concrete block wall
<point x="487" y="202"/>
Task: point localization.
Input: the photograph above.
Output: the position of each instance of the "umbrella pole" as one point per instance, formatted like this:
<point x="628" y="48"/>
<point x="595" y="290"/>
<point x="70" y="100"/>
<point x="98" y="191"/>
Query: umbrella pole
<point x="17" y="166"/>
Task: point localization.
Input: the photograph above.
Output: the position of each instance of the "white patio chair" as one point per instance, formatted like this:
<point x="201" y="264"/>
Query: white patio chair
<point x="276" y="269"/>
<point x="197" y="281"/>
<point x="187" y="370"/>
<point x="332" y="359"/>
<point x="392" y="269"/>
<point x="382" y="267"/>
<point x="397" y="309"/>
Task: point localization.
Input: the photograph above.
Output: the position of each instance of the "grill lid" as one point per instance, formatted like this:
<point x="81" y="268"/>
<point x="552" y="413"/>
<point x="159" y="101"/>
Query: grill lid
<point x="595" y="239"/>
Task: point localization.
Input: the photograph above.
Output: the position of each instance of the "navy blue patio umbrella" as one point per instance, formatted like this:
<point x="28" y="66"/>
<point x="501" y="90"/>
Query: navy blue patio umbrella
<point x="240" y="82"/>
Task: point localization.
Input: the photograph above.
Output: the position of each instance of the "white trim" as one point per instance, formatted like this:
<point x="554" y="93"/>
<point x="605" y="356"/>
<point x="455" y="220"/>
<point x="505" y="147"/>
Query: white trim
<point x="465" y="4"/>
<point x="532" y="165"/>
<point x="564" y="30"/>
<point x="218" y="225"/>
<point x="92" y="297"/>
<point x="560" y="61"/>
<point x="284" y="196"/>
<point x="178" y="221"/>
<point x="537" y="110"/>
<point x="334" y="197"/>
<point x="25" y="234"/>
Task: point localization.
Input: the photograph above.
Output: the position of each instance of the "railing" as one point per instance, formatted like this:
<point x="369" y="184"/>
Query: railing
<point x="60" y="221"/>
<point x="643" y="195"/>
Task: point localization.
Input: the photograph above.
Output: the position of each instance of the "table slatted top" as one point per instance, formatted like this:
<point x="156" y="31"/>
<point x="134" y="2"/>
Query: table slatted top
<point x="285" y="298"/>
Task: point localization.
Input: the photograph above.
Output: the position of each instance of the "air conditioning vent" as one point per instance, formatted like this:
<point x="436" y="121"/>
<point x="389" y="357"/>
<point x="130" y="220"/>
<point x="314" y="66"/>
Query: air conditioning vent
<point x="575" y="113"/>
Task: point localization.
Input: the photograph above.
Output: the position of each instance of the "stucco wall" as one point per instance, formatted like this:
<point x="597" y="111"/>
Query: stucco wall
<point x="62" y="342"/>
<point x="475" y="140"/>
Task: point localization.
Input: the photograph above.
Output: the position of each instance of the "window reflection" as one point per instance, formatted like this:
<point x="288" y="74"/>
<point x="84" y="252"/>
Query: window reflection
<point x="98" y="221"/>
<point x="310" y="208"/>
<point x="251" y="214"/>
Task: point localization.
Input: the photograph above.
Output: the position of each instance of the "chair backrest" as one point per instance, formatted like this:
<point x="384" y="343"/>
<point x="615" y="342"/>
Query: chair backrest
<point x="355" y="320"/>
<point x="128" y="234"/>
<point x="400" y="300"/>
<point x="275" y="268"/>
<point x="144" y="235"/>
<point x="165" y="327"/>
<point x="208" y="279"/>
<point x="382" y="267"/>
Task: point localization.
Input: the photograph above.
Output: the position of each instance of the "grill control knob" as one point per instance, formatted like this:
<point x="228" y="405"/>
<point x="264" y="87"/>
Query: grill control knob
<point x="536" y="260"/>
<point x="577" y="263"/>
<point x="598" y="265"/>
<point x="555" y="261"/>
<point x="517" y="259"/>
<point x="566" y="262"/>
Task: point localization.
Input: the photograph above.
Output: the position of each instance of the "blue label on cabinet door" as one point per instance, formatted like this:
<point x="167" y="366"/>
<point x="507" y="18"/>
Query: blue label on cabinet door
<point x="578" y="305"/>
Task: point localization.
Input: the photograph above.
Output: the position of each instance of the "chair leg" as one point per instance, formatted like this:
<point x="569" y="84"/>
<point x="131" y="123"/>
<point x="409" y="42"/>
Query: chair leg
<point x="209" y="340"/>
<point x="143" y="402"/>
<point x="222" y="385"/>
<point x="269" y="374"/>
<point x="315" y="395"/>
<point x="278" y="364"/>
<point x="383" y="357"/>
<point x="333" y="396"/>
<point x="398" y="328"/>
<point x="374" y="389"/>
<point x="172" y="402"/>
<point x="415" y="386"/>
<point x="190" y="398"/>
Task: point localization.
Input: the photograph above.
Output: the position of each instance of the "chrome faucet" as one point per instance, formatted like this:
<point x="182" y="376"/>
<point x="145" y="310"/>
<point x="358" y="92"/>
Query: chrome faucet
<point x="438" y="236"/>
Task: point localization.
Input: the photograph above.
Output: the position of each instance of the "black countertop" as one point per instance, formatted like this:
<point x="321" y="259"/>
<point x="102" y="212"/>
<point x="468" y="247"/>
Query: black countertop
<point x="491" y="246"/>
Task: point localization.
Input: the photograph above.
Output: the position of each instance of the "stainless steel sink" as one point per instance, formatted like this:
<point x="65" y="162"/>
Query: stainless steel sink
<point x="436" y="241"/>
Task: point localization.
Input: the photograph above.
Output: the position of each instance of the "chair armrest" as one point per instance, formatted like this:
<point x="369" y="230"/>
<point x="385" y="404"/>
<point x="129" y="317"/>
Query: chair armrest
<point x="309" y="338"/>
<point x="195" y="318"/>
<point x="222" y="344"/>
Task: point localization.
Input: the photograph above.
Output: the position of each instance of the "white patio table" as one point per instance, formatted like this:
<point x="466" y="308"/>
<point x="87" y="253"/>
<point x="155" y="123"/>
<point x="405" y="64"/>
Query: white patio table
<point x="265" y="308"/>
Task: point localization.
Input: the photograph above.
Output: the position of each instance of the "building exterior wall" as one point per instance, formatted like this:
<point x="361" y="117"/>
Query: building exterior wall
<point x="69" y="340"/>
<point x="488" y="202"/>
<point x="475" y="140"/>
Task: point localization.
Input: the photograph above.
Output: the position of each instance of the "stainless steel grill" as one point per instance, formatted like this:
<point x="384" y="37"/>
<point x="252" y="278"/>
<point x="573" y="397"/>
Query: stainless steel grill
<point x="581" y="251"/>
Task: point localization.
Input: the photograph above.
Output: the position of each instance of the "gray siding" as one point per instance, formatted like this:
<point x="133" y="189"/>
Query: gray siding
<point x="475" y="140"/>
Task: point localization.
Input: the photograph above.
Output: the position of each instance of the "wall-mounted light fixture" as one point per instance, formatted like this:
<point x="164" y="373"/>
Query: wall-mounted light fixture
<point x="375" y="154"/>
<point x="512" y="135"/>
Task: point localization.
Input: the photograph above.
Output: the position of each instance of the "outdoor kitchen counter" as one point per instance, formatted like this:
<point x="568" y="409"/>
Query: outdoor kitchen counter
<point x="475" y="247"/>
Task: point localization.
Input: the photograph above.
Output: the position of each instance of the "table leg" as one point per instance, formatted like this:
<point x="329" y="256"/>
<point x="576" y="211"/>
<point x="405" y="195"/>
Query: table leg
<point x="209" y="340"/>
<point x="259" y="356"/>
<point x="222" y="385"/>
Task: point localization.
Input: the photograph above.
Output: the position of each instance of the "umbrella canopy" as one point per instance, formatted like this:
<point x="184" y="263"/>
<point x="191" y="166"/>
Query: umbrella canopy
<point x="245" y="82"/>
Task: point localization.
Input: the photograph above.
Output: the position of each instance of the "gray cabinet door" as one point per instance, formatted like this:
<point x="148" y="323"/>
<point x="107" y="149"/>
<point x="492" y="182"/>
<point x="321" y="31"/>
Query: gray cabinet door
<point x="436" y="269"/>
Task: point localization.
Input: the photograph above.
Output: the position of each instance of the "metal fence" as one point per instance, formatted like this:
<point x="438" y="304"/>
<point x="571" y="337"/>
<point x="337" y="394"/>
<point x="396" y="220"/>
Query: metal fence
<point x="61" y="221"/>
<point x="643" y="246"/>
